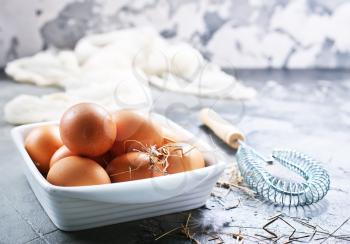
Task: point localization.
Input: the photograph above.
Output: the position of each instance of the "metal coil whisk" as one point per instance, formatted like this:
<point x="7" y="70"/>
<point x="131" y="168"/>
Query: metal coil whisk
<point x="251" y="164"/>
<point x="280" y="191"/>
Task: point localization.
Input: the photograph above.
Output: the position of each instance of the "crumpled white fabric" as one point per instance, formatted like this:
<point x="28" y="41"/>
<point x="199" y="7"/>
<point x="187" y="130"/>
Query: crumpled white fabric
<point x="114" y="70"/>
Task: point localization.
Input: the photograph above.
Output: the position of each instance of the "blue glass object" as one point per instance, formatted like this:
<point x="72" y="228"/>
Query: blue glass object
<point x="280" y="191"/>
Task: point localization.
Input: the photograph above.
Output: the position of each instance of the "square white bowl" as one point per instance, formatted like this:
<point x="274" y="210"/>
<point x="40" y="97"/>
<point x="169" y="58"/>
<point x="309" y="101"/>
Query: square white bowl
<point x="77" y="208"/>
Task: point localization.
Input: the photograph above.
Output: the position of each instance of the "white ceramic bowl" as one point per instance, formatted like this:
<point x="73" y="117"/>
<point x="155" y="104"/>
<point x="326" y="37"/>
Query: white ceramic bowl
<point x="77" y="208"/>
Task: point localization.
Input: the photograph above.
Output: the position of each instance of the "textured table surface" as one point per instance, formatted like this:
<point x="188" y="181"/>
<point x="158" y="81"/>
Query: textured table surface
<point x="305" y="110"/>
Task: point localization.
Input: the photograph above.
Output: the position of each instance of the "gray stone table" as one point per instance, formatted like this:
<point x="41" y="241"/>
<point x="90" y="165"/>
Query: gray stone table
<point x="305" y="110"/>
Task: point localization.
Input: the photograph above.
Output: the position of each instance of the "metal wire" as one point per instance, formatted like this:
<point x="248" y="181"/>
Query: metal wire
<point x="280" y="191"/>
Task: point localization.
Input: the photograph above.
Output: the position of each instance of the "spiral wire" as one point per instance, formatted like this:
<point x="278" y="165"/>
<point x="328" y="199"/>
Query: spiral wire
<point x="284" y="192"/>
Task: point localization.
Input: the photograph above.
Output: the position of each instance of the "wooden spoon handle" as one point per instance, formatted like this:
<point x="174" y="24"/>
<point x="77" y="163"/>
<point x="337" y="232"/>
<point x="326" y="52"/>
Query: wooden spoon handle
<point x="222" y="128"/>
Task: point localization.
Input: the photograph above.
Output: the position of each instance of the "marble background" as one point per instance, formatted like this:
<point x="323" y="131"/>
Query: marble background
<point x="232" y="33"/>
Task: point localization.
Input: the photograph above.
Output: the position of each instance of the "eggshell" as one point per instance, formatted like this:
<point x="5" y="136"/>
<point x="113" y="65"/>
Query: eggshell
<point x="132" y="166"/>
<point x="77" y="171"/>
<point x="41" y="143"/>
<point x="87" y="129"/>
<point x="186" y="159"/>
<point x="64" y="152"/>
<point x="135" y="132"/>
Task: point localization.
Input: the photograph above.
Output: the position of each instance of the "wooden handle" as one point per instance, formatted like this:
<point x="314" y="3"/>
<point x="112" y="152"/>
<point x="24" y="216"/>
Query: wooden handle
<point x="222" y="128"/>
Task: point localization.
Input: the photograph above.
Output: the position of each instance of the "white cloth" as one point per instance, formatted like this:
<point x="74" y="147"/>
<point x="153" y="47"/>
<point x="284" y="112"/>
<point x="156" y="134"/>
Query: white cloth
<point x="115" y="69"/>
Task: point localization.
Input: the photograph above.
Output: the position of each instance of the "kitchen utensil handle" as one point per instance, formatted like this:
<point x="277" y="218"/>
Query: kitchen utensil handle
<point x="226" y="131"/>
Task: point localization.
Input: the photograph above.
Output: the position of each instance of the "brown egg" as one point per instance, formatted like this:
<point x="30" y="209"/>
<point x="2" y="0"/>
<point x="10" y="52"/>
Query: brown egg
<point x="64" y="152"/>
<point x="41" y="143"/>
<point x="88" y="129"/>
<point x="77" y="171"/>
<point x="103" y="159"/>
<point x="135" y="132"/>
<point x="184" y="157"/>
<point x="132" y="166"/>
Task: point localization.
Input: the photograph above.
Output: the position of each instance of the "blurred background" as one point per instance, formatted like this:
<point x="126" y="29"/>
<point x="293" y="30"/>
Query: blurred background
<point x="232" y="33"/>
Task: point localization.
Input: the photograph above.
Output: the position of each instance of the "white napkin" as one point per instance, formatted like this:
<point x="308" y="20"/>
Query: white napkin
<point x="114" y="70"/>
